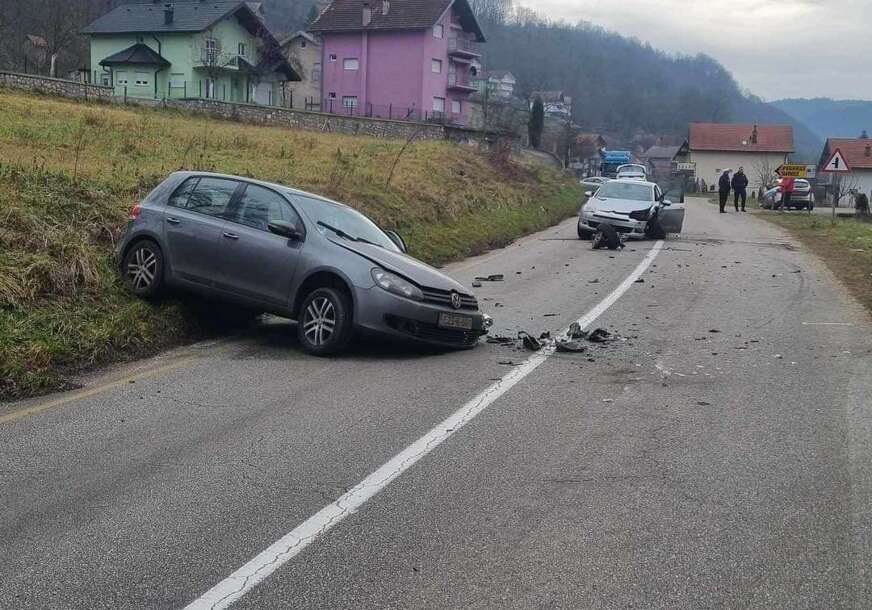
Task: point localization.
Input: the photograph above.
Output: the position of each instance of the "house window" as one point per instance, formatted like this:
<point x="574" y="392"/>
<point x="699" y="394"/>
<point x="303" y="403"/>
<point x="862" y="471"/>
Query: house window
<point x="211" y="51"/>
<point x="351" y="63"/>
<point x="242" y="49"/>
<point x="438" y="31"/>
<point x="141" y="79"/>
<point x="456" y="106"/>
<point x="332" y="95"/>
<point x="438" y="104"/>
<point x="316" y="73"/>
<point x="210" y="88"/>
<point x="436" y="66"/>
<point x="349" y="101"/>
<point x="107" y="80"/>
<point x="333" y="57"/>
<point x="303" y="44"/>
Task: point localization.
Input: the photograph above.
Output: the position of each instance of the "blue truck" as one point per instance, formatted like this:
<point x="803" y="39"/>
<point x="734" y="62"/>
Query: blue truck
<point x="612" y="160"/>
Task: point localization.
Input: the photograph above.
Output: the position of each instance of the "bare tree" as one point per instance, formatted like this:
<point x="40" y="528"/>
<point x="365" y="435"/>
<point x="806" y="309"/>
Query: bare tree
<point x="845" y="187"/>
<point x="765" y="172"/>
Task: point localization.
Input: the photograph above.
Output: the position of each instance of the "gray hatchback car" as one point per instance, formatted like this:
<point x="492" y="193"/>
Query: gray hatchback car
<point x="270" y="248"/>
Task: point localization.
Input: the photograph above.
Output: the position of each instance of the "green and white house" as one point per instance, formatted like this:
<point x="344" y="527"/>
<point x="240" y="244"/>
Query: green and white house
<point x="214" y="49"/>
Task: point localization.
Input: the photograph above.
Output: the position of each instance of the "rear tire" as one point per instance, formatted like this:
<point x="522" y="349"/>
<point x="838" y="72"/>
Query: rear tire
<point x="325" y="325"/>
<point x="143" y="269"/>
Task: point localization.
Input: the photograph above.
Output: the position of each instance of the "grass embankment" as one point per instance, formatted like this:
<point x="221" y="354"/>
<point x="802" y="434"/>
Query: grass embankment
<point x="70" y="172"/>
<point x="845" y="245"/>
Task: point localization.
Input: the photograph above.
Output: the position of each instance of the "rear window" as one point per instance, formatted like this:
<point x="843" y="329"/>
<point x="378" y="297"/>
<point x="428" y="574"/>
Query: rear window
<point x="206" y="195"/>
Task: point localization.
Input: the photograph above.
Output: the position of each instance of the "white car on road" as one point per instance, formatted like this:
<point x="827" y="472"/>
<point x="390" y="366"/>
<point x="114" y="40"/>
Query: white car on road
<point x="632" y="171"/>
<point x="635" y="208"/>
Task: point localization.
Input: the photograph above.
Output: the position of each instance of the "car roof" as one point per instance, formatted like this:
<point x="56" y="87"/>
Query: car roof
<point x="272" y="185"/>
<point x="631" y="181"/>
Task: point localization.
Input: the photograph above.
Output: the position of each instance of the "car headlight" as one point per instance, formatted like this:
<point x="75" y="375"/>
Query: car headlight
<point x="396" y="285"/>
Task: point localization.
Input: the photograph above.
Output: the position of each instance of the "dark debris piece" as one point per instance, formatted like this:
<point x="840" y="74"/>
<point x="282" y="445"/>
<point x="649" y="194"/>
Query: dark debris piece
<point x="571" y="346"/>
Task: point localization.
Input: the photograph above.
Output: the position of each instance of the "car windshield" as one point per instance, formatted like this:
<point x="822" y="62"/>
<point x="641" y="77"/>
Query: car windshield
<point x="335" y="218"/>
<point x="622" y="190"/>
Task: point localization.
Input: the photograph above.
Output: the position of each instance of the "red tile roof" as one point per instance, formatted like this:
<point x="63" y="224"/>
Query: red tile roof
<point x="737" y="137"/>
<point x="853" y="149"/>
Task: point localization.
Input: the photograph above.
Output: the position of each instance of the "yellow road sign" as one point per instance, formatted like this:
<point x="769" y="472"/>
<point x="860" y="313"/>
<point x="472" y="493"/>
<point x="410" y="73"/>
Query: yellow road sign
<point x="792" y="170"/>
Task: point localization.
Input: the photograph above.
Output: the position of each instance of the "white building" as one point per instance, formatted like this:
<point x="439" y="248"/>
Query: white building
<point x="858" y="155"/>
<point x="498" y="83"/>
<point x="760" y="149"/>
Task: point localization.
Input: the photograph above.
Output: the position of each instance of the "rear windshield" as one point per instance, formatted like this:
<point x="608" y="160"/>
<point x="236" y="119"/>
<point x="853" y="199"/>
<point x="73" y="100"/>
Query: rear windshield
<point x="622" y="190"/>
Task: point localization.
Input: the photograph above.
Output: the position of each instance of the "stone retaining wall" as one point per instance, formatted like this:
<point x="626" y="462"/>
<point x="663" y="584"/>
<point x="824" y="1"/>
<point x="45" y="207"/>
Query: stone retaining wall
<point x="55" y="86"/>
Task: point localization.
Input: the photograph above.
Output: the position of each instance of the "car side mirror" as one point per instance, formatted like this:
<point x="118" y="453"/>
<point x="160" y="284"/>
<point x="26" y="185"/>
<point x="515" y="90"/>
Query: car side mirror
<point x="398" y="240"/>
<point x="589" y="193"/>
<point x="666" y="202"/>
<point x="285" y="229"/>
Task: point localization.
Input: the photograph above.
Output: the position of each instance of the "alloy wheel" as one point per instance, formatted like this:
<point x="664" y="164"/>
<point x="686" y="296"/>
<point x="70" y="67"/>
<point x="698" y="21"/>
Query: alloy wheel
<point x="319" y="322"/>
<point x="143" y="268"/>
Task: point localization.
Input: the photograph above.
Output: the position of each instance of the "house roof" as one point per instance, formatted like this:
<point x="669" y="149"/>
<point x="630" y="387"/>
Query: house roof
<point x="36" y="41"/>
<point x="734" y="137"/>
<point x="347" y="16"/>
<point x="661" y="152"/>
<point x="138" y="54"/>
<point x="299" y="34"/>
<point x="550" y="97"/>
<point x="498" y="74"/>
<point x="188" y="16"/>
<point x="853" y="149"/>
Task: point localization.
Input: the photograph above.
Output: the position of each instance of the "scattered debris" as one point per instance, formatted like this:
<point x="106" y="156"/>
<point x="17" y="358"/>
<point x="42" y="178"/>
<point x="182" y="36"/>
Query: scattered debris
<point x="477" y="284"/>
<point x="545" y="336"/>
<point x="779" y="357"/>
<point x="530" y="343"/>
<point x="703" y="403"/>
<point x="714" y="331"/>
<point x="640" y="281"/>
<point x="500" y="340"/>
<point x="506" y="363"/>
<point x="571" y="346"/>
<point x="600" y="335"/>
<point x="596" y="281"/>
<point x="607" y="237"/>
<point x="550" y="315"/>
<point x="497" y="277"/>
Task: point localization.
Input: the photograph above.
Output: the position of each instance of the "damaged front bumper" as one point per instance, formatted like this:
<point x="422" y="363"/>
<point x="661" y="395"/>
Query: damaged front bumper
<point x="383" y="313"/>
<point x="633" y="229"/>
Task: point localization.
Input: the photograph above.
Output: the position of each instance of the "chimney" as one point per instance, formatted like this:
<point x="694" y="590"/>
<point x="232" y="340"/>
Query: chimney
<point x="386" y="7"/>
<point x="367" y="14"/>
<point x="169" y="11"/>
<point x="754" y="135"/>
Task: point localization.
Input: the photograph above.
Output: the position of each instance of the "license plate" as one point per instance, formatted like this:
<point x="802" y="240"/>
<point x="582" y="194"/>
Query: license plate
<point x="453" y="320"/>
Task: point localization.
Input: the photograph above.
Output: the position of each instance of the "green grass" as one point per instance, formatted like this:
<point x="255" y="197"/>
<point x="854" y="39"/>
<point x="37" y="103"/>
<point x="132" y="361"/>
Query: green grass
<point x="845" y="245"/>
<point x="70" y="172"/>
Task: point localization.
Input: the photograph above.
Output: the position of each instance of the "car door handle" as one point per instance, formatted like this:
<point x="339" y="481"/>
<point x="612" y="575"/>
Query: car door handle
<point x="173" y="220"/>
<point x="231" y="236"/>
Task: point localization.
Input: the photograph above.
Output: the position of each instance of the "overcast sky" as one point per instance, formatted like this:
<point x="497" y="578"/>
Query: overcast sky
<point x="775" y="48"/>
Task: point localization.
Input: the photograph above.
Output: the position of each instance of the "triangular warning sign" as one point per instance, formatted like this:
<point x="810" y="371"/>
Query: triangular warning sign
<point x="837" y="164"/>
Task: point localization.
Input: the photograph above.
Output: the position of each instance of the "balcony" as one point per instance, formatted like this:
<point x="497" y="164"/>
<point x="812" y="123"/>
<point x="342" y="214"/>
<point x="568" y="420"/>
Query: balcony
<point x="461" y="47"/>
<point x="461" y="82"/>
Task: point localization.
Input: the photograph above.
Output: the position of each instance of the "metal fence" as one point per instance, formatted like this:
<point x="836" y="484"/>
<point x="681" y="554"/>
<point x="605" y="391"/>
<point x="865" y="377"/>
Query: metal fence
<point x="394" y="112"/>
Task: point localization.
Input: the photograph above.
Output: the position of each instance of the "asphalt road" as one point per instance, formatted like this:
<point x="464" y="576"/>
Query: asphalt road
<point x="678" y="467"/>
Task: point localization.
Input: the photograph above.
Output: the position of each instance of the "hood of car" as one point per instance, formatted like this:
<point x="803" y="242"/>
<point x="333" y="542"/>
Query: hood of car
<point x="622" y="206"/>
<point x="410" y="268"/>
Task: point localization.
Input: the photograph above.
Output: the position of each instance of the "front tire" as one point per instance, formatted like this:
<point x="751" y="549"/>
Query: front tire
<point x="324" y="325"/>
<point x="143" y="269"/>
<point x="584" y="233"/>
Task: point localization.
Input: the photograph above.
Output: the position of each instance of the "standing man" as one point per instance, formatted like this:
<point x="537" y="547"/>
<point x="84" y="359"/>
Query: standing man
<point x="740" y="188"/>
<point x="724" y="190"/>
<point x="787" y="187"/>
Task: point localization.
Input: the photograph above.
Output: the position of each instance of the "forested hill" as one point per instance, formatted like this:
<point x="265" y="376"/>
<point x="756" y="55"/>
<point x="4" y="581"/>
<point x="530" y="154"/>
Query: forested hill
<point x="831" y="118"/>
<point x="622" y="85"/>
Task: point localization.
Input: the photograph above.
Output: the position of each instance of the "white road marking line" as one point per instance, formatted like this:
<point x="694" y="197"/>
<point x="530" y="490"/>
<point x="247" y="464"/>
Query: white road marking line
<point x="243" y="580"/>
<point x="827" y="324"/>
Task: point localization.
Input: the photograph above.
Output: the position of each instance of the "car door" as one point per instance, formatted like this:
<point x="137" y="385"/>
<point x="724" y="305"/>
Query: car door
<point x="259" y="265"/>
<point x="671" y="214"/>
<point x="194" y="221"/>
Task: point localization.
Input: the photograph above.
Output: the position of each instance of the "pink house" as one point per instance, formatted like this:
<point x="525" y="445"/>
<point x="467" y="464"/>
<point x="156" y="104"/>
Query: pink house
<point x="401" y="59"/>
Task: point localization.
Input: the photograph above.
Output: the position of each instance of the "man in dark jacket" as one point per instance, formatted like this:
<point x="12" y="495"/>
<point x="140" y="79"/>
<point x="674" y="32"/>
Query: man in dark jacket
<point x="740" y="188"/>
<point x="724" y="190"/>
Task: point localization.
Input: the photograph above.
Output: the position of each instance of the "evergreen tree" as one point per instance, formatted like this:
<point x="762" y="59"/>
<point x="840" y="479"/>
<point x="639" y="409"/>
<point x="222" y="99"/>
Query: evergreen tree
<point x="537" y="122"/>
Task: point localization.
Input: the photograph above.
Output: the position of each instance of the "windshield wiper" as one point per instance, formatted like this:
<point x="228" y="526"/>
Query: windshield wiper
<point x="345" y="235"/>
